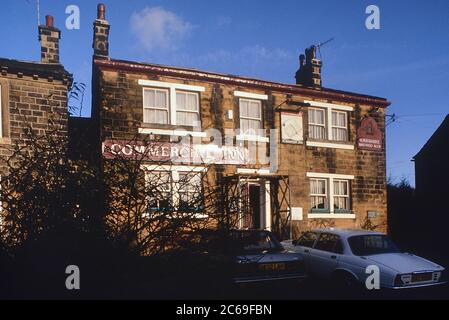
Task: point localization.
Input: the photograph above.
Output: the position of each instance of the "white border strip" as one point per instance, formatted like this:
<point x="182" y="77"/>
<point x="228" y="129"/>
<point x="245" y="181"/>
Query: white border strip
<point x="331" y="216"/>
<point x="250" y="95"/>
<point x="242" y="137"/>
<point x="329" y="175"/>
<point x="329" y="105"/>
<point x="253" y="171"/>
<point x="178" y="133"/>
<point x="171" y="85"/>
<point x="329" y="145"/>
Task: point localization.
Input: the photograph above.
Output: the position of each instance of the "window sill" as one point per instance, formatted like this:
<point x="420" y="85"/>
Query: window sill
<point x="314" y="215"/>
<point x="254" y="138"/>
<point x="169" y="132"/>
<point x="330" y="144"/>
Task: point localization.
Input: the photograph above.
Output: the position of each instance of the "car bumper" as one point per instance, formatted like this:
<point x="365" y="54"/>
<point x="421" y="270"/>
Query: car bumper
<point x="264" y="278"/>
<point x="421" y="285"/>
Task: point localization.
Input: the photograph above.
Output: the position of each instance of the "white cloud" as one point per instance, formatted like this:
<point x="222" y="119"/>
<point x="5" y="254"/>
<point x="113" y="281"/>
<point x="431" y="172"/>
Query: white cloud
<point x="157" y="28"/>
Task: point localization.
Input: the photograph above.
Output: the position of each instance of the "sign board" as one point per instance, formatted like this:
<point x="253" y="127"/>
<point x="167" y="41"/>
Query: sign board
<point x="296" y="213"/>
<point x="369" y="137"/>
<point x="291" y="127"/>
<point x="175" y="152"/>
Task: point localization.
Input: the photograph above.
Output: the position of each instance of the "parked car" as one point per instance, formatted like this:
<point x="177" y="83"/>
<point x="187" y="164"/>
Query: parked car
<point x="343" y="256"/>
<point x="253" y="255"/>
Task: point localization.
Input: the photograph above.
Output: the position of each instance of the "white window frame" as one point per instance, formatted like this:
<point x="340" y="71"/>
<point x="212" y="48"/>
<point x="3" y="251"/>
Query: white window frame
<point x="260" y="119"/>
<point x="172" y="88"/>
<point x="345" y="113"/>
<point x="167" y="103"/>
<point x="197" y="111"/>
<point x="322" y="125"/>
<point x="326" y="193"/>
<point x="330" y="195"/>
<point x="330" y="142"/>
<point x="346" y="196"/>
<point x="258" y="97"/>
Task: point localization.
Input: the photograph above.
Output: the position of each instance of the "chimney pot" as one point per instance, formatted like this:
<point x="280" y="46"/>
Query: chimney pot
<point x="49" y="21"/>
<point x="101" y="11"/>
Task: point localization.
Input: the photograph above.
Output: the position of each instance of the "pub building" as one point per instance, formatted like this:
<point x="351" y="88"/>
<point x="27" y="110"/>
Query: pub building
<point x="299" y="156"/>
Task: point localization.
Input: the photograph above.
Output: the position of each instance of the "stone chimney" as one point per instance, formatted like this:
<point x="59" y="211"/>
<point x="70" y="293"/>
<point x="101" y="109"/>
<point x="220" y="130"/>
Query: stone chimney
<point x="101" y="33"/>
<point x="49" y="38"/>
<point x="309" y="72"/>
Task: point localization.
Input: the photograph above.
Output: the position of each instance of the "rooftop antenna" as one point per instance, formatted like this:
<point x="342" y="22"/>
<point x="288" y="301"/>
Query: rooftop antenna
<point x="319" y="45"/>
<point x="38" y="13"/>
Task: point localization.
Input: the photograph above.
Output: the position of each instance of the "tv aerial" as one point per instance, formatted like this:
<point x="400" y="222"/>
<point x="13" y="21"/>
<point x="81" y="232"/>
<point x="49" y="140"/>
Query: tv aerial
<point x="319" y="45"/>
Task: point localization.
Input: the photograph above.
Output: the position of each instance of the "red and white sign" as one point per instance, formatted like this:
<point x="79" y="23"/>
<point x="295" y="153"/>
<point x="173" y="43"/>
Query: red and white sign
<point x="369" y="137"/>
<point x="174" y="152"/>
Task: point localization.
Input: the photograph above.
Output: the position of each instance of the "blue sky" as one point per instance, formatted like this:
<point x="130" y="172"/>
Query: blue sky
<point x="406" y="61"/>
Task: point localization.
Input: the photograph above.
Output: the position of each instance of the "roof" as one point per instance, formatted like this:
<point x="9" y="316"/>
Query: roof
<point x="45" y="70"/>
<point x="345" y="233"/>
<point x="438" y="141"/>
<point x="323" y="93"/>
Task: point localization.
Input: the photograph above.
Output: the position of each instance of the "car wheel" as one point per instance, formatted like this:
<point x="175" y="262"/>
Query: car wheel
<point x="344" y="282"/>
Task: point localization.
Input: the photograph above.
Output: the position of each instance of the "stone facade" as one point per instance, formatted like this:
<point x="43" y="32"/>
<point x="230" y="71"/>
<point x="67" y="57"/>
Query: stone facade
<point x="33" y="92"/>
<point x="118" y="114"/>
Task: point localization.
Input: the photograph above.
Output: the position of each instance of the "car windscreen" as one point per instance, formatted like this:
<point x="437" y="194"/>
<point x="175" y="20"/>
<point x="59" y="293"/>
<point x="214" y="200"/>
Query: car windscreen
<point x="255" y="242"/>
<point x="365" y="245"/>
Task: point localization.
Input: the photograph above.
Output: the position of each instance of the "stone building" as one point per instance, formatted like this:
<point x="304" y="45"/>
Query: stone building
<point x="297" y="156"/>
<point x="32" y="92"/>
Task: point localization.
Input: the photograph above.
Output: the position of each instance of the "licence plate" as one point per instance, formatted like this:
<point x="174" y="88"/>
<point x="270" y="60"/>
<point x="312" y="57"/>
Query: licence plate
<point x="420" y="277"/>
<point x="272" y="266"/>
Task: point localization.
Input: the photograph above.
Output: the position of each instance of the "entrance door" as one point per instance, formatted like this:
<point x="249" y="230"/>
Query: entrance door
<point x="254" y="205"/>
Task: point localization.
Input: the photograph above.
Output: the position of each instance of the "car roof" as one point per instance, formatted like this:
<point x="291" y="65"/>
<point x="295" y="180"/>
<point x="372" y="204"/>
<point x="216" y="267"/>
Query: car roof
<point x="346" y="233"/>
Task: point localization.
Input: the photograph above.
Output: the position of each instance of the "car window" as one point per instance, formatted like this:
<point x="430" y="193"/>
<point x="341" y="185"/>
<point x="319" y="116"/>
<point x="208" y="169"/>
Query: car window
<point x="372" y="244"/>
<point x="329" y="242"/>
<point x="307" y="239"/>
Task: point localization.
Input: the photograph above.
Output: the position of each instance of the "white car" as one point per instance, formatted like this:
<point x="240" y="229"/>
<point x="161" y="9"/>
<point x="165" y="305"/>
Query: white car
<point x="344" y="255"/>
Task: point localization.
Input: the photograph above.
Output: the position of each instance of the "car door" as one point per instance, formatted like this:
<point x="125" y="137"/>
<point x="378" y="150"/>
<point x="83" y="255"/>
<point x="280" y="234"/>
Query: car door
<point x="324" y="256"/>
<point x="304" y="244"/>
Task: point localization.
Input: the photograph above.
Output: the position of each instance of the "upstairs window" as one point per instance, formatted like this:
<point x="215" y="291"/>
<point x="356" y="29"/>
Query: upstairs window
<point x="156" y="106"/>
<point x="171" y="104"/>
<point x="250" y="117"/>
<point x="339" y="126"/>
<point x="328" y="124"/>
<point x="187" y="108"/>
<point x="317" y="123"/>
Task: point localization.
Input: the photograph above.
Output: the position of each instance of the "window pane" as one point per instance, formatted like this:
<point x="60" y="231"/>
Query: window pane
<point x="192" y="102"/>
<point x="158" y="190"/>
<point x="339" y="134"/>
<point x="186" y="118"/>
<point x="148" y="99"/>
<point x="155" y="116"/>
<point x="161" y="99"/>
<point x="244" y="108"/>
<point x="154" y="100"/>
<point x="317" y="132"/>
<point x="316" y="116"/>
<point x="181" y="100"/>
<point x="318" y="194"/>
<point x="254" y="109"/>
